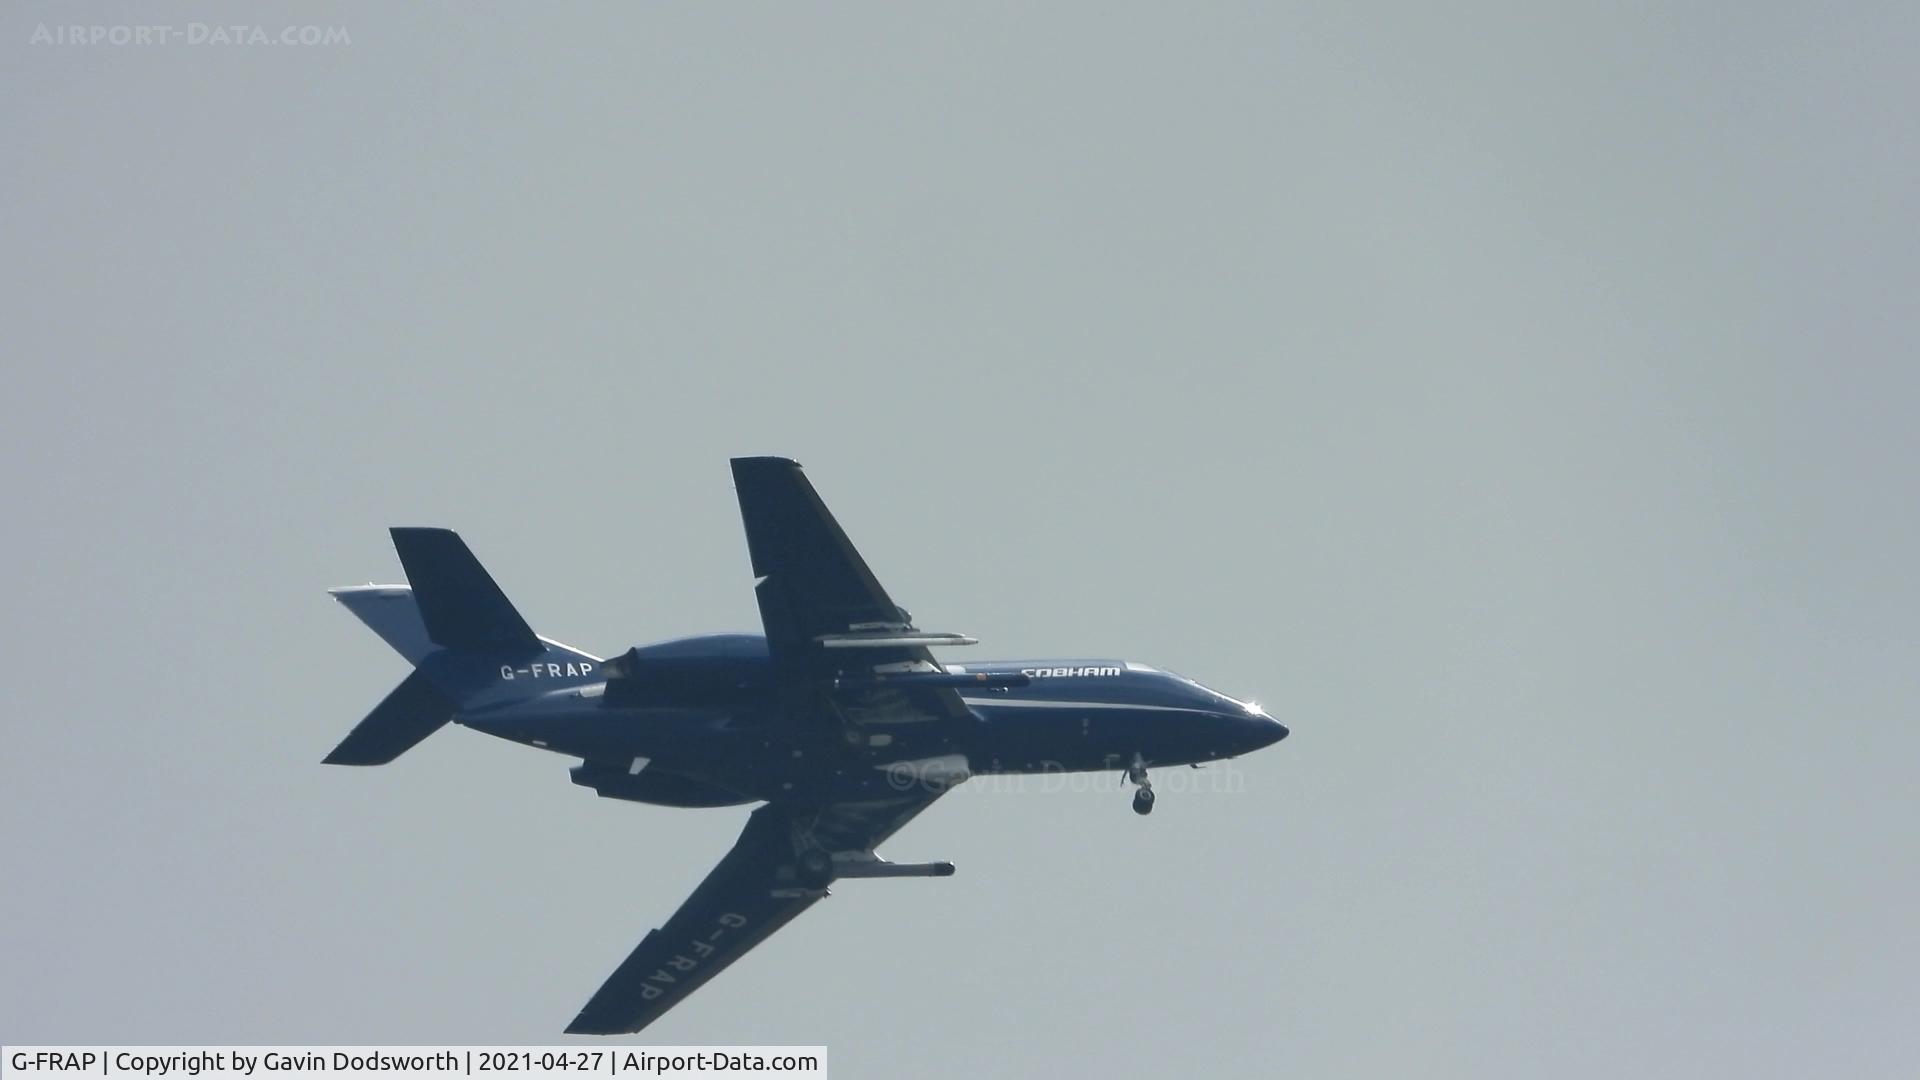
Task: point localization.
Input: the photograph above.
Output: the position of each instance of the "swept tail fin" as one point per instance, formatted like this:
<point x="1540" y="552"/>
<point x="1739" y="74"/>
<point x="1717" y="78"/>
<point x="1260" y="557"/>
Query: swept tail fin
<point x="453" y="606"/>
<point x="459" y="603"/>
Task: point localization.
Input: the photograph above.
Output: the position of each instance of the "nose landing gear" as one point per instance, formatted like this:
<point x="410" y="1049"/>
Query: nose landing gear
<point x="1137" y="774"/>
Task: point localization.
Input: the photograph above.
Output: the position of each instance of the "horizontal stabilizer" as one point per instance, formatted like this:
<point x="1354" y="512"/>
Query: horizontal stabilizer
<point x="389" y="610"/>
<point x="415" y="710"/>
<point x="459" y="603"/>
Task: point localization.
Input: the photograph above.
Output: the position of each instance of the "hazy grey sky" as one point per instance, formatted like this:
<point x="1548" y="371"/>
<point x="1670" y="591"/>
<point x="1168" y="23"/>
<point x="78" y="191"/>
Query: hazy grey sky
<point x="1518" y="399"/>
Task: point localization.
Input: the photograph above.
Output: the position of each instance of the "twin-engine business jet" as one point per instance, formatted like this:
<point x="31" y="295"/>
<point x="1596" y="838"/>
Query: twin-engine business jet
<point x="838" y="718"/>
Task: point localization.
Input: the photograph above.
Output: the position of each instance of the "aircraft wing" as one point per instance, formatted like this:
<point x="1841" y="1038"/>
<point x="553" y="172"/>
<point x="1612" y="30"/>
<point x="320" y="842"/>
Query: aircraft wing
<point x="749" y="895"/>
<point x="840" y="646"/>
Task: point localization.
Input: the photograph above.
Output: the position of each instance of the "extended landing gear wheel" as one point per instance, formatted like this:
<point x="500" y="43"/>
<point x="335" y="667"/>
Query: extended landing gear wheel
<point x="816" y="869"/>
<point x="1137" y="775"/>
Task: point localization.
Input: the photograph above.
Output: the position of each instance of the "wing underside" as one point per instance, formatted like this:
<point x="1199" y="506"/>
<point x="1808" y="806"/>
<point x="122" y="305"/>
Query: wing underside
<point x="849" y="663"/>
<point x="754" y="891"/>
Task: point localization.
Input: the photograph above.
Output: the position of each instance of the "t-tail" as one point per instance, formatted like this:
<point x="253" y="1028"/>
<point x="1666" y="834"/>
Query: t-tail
<point x="467" y="644"/>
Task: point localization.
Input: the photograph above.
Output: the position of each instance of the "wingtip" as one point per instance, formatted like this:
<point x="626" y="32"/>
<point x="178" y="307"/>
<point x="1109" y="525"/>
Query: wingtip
<point x="341" y="755"/>
<point x="397" y="531"/>
<point x="764" y="462"/>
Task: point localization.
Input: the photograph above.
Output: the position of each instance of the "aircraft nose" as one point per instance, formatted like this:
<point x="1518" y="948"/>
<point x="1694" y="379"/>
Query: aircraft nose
<point x="1271" y="730"/>
<point x="1260" y="730"/>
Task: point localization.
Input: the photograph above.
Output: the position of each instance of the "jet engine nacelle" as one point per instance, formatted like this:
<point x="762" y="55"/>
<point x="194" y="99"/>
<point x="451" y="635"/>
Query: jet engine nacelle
<point x="674" y="676"/>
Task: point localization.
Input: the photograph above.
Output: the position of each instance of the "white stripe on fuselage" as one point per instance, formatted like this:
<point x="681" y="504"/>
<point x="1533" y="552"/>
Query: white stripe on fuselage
<point x="1028" y="703"/>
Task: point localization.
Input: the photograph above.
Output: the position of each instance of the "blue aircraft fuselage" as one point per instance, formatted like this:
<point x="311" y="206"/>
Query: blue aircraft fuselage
<point x="696" y="724"/>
